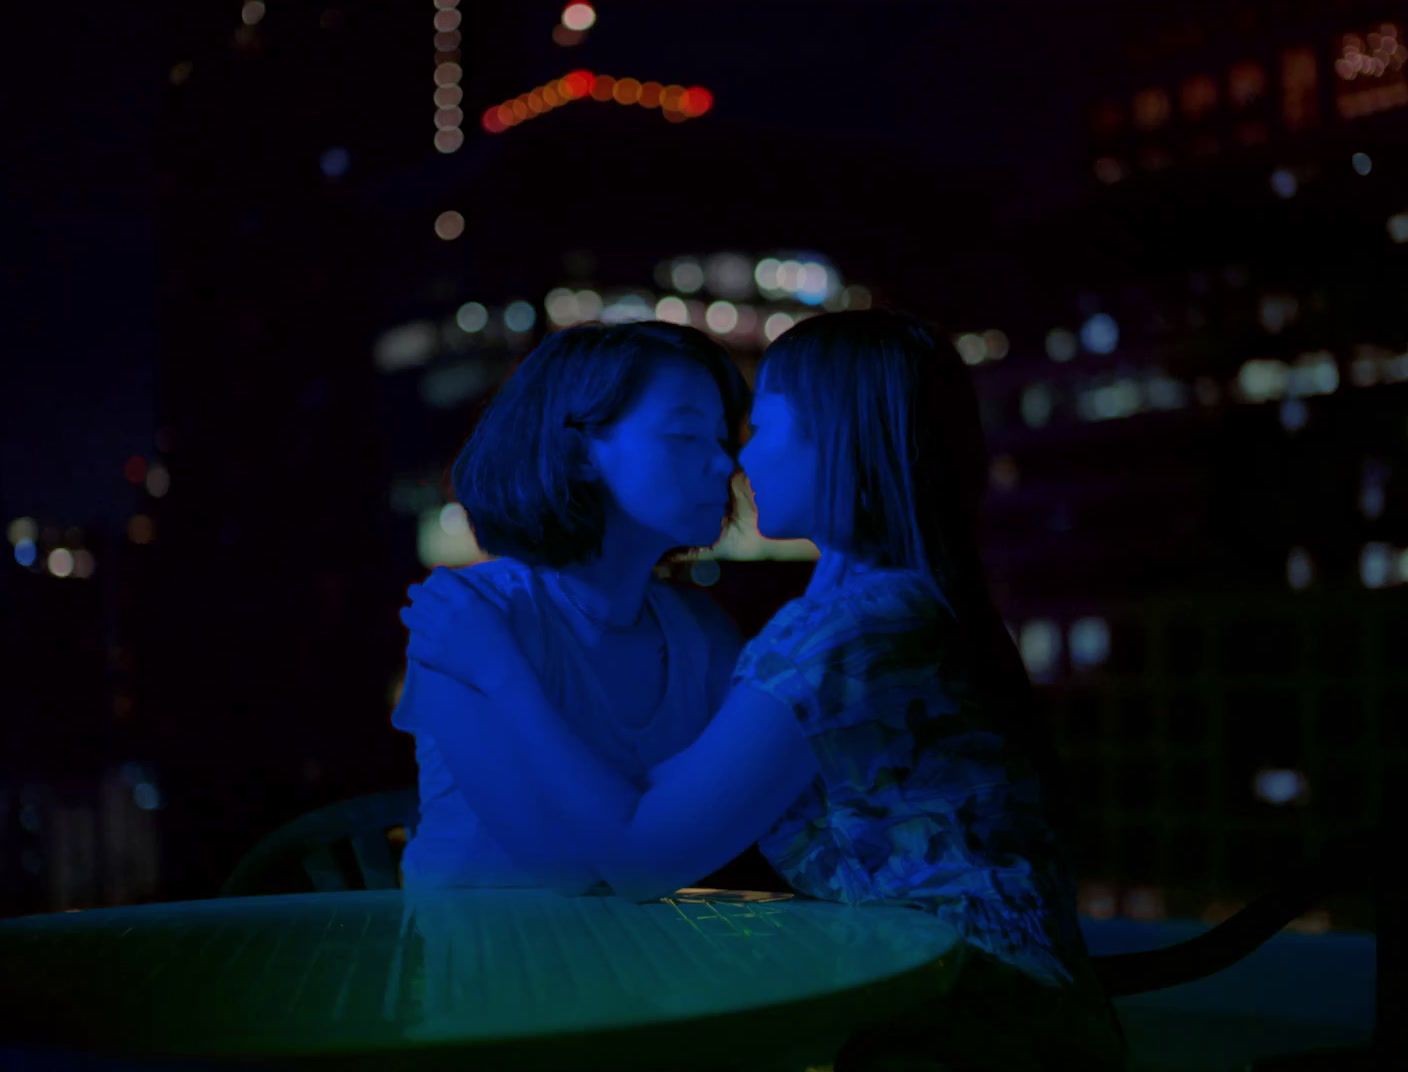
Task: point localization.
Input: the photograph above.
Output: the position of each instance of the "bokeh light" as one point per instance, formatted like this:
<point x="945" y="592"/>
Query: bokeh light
<point x="60" y="562"/>
<point x="672" y="310"/>
<point x="520" y="316"/>
<point x="579" y="17"/>
<point x="721" y="317"/>
<point x="472" y="317"/>
<point x="449" y="225"/>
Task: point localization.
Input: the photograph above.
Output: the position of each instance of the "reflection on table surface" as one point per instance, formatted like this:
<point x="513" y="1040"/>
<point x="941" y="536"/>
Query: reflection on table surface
<point x="495" y="971"/>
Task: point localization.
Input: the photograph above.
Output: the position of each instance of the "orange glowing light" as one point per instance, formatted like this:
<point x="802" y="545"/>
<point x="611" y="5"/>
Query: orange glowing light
<point x="603" y="86"/>
<point x="626" y="91"/>
<point x="650" y="94"/>
<point x="671" y="98"/>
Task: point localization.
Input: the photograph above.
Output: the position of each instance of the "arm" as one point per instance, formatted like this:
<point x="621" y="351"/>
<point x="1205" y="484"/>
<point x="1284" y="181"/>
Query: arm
<point x="714" y="799"/>
<point x="720" y="794"/>
<point x="487" y="771"/>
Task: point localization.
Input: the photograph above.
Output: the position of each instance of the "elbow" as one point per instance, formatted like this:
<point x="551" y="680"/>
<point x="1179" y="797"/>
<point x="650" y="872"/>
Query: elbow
<point x="641" y="885"/>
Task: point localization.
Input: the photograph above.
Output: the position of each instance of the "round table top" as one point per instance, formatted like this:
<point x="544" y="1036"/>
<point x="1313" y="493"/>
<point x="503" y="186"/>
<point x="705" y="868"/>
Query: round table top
<point x="700" y="978"/>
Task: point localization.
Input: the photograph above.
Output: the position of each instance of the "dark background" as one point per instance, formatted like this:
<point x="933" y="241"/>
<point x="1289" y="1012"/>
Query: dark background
<point x="217" y="226"/>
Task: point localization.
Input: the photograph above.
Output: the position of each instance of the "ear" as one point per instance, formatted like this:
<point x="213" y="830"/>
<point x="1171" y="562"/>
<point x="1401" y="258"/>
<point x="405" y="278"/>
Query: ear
<point x="582" y="450"/>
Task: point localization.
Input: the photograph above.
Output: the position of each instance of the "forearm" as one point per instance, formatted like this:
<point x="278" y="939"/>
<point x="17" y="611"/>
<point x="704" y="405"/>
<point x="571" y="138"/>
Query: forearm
<point x="491" y="772"/>
<point x="592" y="803"/>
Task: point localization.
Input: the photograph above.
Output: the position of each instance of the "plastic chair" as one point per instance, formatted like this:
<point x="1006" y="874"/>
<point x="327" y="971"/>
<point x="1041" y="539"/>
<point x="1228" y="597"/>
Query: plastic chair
<point x="1341" y="863"/>
<point x="353" y="844"/>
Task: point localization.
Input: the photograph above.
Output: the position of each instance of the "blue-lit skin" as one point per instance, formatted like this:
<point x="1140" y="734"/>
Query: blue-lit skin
<point x="666" y="463"/>
<point x="781" y="465"/>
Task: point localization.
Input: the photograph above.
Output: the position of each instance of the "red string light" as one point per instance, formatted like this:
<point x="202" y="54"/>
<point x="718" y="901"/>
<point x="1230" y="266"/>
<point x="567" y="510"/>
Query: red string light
<point x="676" y="103"/>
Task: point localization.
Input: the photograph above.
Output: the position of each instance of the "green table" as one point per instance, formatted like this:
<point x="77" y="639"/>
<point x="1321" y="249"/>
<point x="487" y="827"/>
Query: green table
<point x="469" y="979"/>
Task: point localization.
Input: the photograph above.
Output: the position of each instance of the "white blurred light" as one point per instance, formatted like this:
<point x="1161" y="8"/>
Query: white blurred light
<point x="996" y="344"/>
<point x="1398" y="227"/>
<point x="1060" y="344"/>
<point x="672" y="310"/>
<point x="1262" y="379"/>
<point x="579" y="17"/>
<point x="561" y="305"/>
<point x="1300" y="569"/>
<point x="1276" y="786"/>
<point x="971" y="348"/>
<point x="687" y="275"/>
<point x="472" y="317"/>
<point x="776" y="324"/>
<point x="789" y="276"/>
<point x="589" y="304"/>
<point x="1040" y="646"/>
<point x="1284" y="183"/>
<point x="1090" y="642"/>
<point x="765" y="274"/>
<point x="1100" y="334"/>
<point x="814" y="283"/>
<point x="625" y="309"/>
<point x="252" y="13"/>
<point x="1361" y="163"/>
<point x="1037" y="405"/>
<point x="22" y="528"/>
<point x="1111" y="401"/>
<point x="437" y="547"/>
<point x="60" y="562"/>
<point x="405" y="346"/>
<point x="722" y="317"/>
<point x="158" y="481"/>
<point x="449" y="225"/>
<point x="1314" y="373"/>
<point x="453" y="519"/>
<point x="1376" y="565"/>
<point x="520" y="316"/>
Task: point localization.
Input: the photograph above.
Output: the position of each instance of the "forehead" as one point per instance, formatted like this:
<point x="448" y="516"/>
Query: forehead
<point x="677" y="388"/>
<point x="771" y="404"/>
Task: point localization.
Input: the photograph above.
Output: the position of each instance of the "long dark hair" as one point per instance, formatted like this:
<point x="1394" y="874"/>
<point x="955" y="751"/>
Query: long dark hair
<point x="903" y="471"/>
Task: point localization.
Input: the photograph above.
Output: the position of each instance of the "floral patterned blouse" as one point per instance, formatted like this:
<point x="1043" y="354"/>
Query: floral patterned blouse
<point x="920" y="801"/>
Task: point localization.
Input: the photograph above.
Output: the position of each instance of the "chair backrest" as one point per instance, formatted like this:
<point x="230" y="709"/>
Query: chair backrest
<point x="1341" y="863"/>
<point x="352" y="844"/>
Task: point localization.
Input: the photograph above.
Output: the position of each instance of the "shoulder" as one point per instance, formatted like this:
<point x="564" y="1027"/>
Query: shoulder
<point x="866" y="614"/>
<point x="505" y="576"/>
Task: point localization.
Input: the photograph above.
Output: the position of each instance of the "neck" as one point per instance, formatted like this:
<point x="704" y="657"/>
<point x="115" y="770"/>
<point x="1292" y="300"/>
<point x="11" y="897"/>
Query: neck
<point x="612" y="586"/>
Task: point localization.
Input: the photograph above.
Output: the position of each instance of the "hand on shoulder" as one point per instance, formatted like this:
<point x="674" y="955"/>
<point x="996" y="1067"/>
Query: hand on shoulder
<point x="461" y="628"/>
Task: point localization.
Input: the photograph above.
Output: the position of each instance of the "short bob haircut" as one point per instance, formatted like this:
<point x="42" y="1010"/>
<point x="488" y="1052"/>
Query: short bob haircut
<point x="891" y="407"/>
<point x="517" y="476"/>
